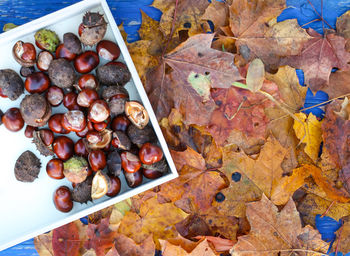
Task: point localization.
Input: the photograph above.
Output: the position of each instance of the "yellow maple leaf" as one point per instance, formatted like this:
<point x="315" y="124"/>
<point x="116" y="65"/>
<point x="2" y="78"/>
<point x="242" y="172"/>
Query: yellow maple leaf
<point x="313" y="136"/>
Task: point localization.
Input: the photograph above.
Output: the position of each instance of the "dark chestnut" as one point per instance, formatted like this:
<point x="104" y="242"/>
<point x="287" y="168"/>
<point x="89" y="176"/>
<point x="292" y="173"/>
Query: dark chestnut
<point x="28" y="132"/>
<point x="63" y="147"/>
<point x="80" y="148"/>
<point x="12" y="119"/>
<point x="44" y="60"/>
<point x="54" y="95"/>
<point x="2" y="94"/>
<point x="108" y="50"/>
<point x="150" y="154"/>
<point x="86" y="62"/>
<point x="63" y="52"/>
<point x="26" y="71"/>
<point x="117" y="63"/>
<point x="114" y="186"/>
<point x="88" y="81"/>
<point x="62" y="199"/>
<point x="97" y="160"/>
<point x="86" y="97"/>
<point x="37" y="82"/>
<point x="130" y="162"/>
<point x="54" y="168"/>
<point x="70" y="101"/>
<point x="133" y="179"/>
<point x="46" y="136"/>
<point x="120" y="123"/>
<point x="55" y="124"/>
<point x="98" y="111"/>
<point x="151" y="173"/>
<point x="74" y="120"/>
<point x="121" y="141"/>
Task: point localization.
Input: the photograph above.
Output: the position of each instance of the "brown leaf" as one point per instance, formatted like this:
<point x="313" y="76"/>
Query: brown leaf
<point x="127" y="247"/>
<point x="202" y="249"/>
<point x="318" y="57"/>
<point x="43" y="244"/>
<point x="217" y="12"/>
<point x="311" y="240"/>
<point x="192" y="226"/>
<point x="343" y="237"/>
<point x="342" y="78"/>
<point x="188" y="157"/>
<point x="342" y="25"/>
<point x="66" y="239"/>
<point x="220" y="244"/>
<point x="255" y="75"/>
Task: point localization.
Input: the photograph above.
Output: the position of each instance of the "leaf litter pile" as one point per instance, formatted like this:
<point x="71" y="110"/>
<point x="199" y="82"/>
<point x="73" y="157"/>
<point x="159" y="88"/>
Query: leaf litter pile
<point x="263" y="162"/>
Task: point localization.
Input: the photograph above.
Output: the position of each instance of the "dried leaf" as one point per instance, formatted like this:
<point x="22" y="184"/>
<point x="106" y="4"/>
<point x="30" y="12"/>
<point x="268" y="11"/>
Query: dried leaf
<point x="202" y="249"/>
<point x="43" y="244"/>
<point x="343" y="237"/>
<point x="217" y="12"/>
<point x="311" y="240"/>
<point x="255" y="75"/>
<point x="127" y="247"/>
<point x="220" y="244"/>
<point x="188" y="157"/>
<point x="343" y="23"/>
<point x="313" y="137"/>
<point x="66" y="239"/>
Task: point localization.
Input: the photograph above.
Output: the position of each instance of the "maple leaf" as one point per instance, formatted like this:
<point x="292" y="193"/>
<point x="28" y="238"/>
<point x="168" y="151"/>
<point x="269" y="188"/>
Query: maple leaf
<point x="100" y="237"/>
<point x="318" y="57"/>
<point x="338" y="78"/>
<point x="43" y="244"/>
<point x="66" y="239"/>
<point x="273" y="232"/>
<point x="220" y="244"/>
<point x="343" y="28"/>
<point x="343" y="237"/>
<point x="203" y="249"/>
<point x="313" y="137"/>
<point x="127" y="247"/>
<point x="188" y="157"/>
<point x="217" y="12"/>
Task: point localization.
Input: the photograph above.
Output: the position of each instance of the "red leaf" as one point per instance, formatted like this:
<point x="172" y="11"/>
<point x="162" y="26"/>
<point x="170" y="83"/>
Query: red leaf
<point x="65" y="240"/>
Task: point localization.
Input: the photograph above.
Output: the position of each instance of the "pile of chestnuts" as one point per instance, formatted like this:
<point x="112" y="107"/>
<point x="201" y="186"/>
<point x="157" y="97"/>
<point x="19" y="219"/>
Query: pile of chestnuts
<point x="113" y="137"/>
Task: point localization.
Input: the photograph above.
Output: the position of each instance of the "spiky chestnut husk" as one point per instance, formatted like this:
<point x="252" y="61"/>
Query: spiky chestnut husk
<point x="82" y="191"/>
<point x="27" y="167"/>
<point x="40" y="145"/>
<point x="94" y="28"/>
<point x="76" y="169"/>
<point x="47" y="39"/>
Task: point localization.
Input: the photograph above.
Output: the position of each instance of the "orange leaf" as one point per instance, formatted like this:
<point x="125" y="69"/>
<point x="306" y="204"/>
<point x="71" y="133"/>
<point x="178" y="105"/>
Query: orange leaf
<point x="127" y="247"/>
<point x="66" y="239"/>
<point x="188" y="157"/>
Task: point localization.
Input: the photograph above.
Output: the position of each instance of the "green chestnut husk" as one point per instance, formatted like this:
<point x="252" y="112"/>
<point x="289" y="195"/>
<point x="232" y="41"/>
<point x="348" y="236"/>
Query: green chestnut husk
<point x="47" y="39"/>
<point x="76" y="169"/>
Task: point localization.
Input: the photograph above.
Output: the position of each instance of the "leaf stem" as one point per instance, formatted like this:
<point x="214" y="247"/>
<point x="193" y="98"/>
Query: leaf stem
<point x="313" y="7"/>
<point x="172" y="29"/>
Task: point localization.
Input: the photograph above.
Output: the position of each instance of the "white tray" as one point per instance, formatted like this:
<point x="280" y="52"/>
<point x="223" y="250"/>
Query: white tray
<point x="27" y="209"/>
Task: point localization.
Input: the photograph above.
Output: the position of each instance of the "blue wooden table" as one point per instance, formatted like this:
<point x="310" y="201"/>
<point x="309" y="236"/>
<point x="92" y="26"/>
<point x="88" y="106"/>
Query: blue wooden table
<point x="23" y="11"/>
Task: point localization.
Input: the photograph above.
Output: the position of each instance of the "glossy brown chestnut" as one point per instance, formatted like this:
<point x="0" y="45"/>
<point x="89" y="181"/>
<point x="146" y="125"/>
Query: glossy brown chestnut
<point x="62" y="199"/>
<point x="93" y="137"/>
<point x="98" y="111"/>
<point x="90" y="126"/>
<point x="63" y="147"/>
<point x="12" y="119"/>
<point x="130" y="162"/>
<point x="28" y="132"/>
<point x="63" y="52"/>
<point x="120" y="123"/>
<point x="54" y="95"/>
<point x="108" y="50"/>
<point x="54" y="168"/>
<point x="150" y="154"/>
<point x="46" y="136"/>
<point x="86" y="97"/>
<point x="44" y="60"/>
<point x="37" y="82"/>
<point x="102" y="125"/>
<point x="114" y="186"/>
<point x="55" y="124"/>
<point x="97" y="160"/>
<point x="88" y="81"/>
<point x="133" y="179"/>
<point x="70" y="101"/>
<point x="80" y="148"/>
<point x="151" y="174"/>
<point x="86" y="62"/>
<point x="74" y="121"/>
<point x="82" y="134"/>
<point x="24" y="53"/>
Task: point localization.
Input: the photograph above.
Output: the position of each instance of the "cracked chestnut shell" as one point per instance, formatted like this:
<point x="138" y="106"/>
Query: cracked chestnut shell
<point x="24" y="53"/>
<point x="74" y="120"/>
<point x="121" y="141"/>
<point x="100" y="185"/>
<point x="137" y="114"/>
<point x="93" y="28"/>
<point x="35" y="110"/>
<point x="76" y="169"/>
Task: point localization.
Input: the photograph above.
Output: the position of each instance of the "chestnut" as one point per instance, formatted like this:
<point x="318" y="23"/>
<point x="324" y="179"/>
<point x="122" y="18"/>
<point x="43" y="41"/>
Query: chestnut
<point x="37" y="82"/>
<point x="133" y="179"/>
<point x="130" y="162"/>
<point x="24" y="53"/>
<point x="88" y="81"/>
<point x="151" y="174"/>
<point x="26" y="71"/>
<point x="54" y="168"/>
<point x="114" y="163"/>
<point x="98" y="111"/>
<point x="141" y="136"/>
<point x="62" y="199"/>
<point x="28" y="132"/>
<point x="120" y="123"/>
<point x="80" y="148"/>
<point x="86" y="97"/>
<point x="102" y="125"/>
<point x="150" y="154"/>
<point x="72" y="43"/>
<point x="46" y="136"/>
<point x="70" y="101"/>
<point x="12" y="119"/>
<point x="44" y="60"/>
<point x="121" y="141"/>
<point x="137" y="114"/>
<point x="97" y="160"/>
<point x="93" y="137"/>
<point x="108" y="50"/>
<point x="117" y="63"/>
<point x="74" y="120"/>
<point x="106" y="137"/>
<point x="100" y="185"/>
<point x="63" y="52"/>
<point x="54" y="95"/>
<point x="63" y="147"/>
<point x="55" y="124"/>
<point x="82" y="134"/>
<point x="114" y="186"/>
<point x="86" y="62"/>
